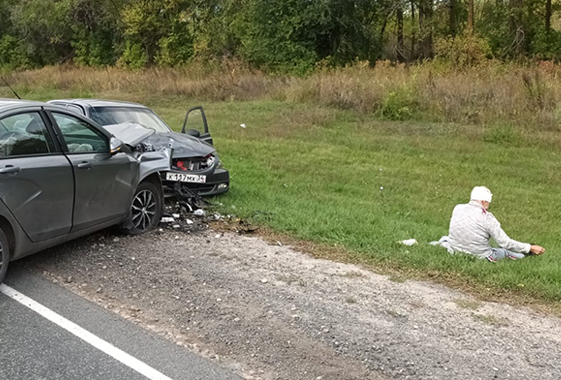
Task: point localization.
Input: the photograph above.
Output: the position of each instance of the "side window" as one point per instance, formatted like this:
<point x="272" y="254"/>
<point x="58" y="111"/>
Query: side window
<point x="80" y="137"/>
<point x="23" y="135"/>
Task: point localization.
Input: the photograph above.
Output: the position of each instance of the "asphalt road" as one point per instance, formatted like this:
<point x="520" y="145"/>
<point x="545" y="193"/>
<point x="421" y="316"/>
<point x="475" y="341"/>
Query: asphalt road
<point x="35" y="348"/>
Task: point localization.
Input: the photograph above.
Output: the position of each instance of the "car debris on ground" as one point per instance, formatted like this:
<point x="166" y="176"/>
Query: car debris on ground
<point x="187" y="212"/>
<point x="409" y="242"/>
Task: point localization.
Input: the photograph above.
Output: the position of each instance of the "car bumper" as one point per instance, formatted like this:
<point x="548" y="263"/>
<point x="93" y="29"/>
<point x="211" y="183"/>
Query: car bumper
<point x="217" y="182"/>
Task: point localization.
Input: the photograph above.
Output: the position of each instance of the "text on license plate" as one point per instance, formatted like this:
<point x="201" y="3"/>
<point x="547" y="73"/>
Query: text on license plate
<point x="180" y="177"/>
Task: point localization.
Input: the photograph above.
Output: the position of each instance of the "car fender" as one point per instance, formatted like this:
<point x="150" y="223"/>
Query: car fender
<point x="154" y="162"/>
<point x="20" y="238"/>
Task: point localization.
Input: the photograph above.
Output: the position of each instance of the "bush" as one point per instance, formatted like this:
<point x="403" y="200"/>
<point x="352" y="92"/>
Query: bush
<point x="398" y="104"/>
<point x="174" y="51"/>
<point x="91" y="49"/>
<point x="547" y="45"/>
<point x="12" y="54"/>
<point x="462" y="51"/>
<point x="133" y="57"/>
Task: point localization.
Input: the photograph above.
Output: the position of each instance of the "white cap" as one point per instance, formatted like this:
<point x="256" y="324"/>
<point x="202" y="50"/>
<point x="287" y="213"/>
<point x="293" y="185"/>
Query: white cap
<point x="481" y="193"/>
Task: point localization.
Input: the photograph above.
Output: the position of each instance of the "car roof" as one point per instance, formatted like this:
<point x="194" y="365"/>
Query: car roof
<point x="7" y="104"/>
<point x="99" y="103"/>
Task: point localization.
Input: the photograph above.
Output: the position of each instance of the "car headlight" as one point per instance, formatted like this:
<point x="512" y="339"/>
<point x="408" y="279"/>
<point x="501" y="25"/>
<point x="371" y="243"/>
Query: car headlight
<point x="210" y="159"/>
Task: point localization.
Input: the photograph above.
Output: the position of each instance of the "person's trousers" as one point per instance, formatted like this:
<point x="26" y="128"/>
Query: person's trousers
<point x="501" y="253"/>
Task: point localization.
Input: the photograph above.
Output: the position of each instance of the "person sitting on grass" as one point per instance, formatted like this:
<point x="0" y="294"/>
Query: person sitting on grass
<point x="472" y="225"/>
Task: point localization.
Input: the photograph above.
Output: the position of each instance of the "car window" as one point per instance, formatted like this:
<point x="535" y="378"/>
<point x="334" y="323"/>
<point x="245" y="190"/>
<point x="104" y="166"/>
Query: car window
<point x="118" y="115"/>
<point x="24" y="134"/>
<point x="80" y="137"/>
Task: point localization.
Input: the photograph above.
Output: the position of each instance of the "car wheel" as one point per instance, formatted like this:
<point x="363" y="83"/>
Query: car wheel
<point x="4" y="255"/>
<point x="145" y="211"/>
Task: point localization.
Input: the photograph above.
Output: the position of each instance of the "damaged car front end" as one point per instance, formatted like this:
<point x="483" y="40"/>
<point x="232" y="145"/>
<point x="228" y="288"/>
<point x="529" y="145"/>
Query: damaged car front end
<point x="143" y="214"/>
<point x="195" y="167"/>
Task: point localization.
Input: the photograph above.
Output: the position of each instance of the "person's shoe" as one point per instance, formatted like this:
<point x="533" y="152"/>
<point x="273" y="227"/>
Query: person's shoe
<point x="515" y="256"/>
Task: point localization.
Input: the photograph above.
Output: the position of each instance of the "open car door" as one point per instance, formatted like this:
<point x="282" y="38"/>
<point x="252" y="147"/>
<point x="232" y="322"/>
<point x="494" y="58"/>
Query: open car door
<point x="197" y="125"/>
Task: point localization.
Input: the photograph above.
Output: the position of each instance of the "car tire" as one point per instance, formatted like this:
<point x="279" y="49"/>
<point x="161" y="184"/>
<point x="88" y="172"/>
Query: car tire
<point x="4" y="255"/>
<point x="145" y="211"/>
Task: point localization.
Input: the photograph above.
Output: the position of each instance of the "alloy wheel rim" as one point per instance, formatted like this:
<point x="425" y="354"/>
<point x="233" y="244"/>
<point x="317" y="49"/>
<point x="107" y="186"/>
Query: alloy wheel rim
<point x="143" y="210"/>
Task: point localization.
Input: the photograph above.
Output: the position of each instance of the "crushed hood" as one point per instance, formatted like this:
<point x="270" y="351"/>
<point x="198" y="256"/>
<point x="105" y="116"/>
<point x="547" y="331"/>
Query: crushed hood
<point x="130" y="133"/>
<point x="183" y="145"/>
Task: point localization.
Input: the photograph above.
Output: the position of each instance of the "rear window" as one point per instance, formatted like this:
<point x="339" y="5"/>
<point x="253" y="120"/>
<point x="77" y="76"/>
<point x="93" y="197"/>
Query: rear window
<point x="118" y="115"/>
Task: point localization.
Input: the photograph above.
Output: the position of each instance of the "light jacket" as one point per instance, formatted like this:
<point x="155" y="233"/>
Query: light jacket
<point x="471" y="227"/>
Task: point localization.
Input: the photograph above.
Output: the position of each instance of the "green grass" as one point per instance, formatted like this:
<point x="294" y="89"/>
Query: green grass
<point x="339" y="177"/>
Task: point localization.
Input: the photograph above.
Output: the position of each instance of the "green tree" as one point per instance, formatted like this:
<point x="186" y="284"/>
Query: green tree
<point x="143" y="25"/>
<point x="96" y="35"/>
<point x="44" y="28"/>
<point x="293" y="34"/>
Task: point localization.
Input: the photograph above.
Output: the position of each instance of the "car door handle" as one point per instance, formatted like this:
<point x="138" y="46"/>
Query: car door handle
<point x="85" y="165"/>
<point x="9" y="169"/>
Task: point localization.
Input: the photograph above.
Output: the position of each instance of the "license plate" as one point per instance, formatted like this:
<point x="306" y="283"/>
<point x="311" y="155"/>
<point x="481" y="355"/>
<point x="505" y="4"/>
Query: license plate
<point x="180" y="177"/>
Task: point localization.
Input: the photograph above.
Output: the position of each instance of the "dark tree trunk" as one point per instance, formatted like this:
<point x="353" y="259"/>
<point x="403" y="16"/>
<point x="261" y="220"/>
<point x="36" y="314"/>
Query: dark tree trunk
<point x="400" y="44"/>
<point x="470" y="16"/>
<point x="547" y="16"/>
<point x="383" y="30"/>
<point x="426" y="27"/>
<point x="412" y="55"/>
<point x="453" y="23"/>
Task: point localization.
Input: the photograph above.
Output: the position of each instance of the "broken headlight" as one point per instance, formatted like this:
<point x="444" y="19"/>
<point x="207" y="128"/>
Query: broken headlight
<point x="210" y="160"/>
<point x="194" y="163"/>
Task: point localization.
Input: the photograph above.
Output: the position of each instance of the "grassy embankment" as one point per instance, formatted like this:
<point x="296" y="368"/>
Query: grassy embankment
<point x="322" y="160"/>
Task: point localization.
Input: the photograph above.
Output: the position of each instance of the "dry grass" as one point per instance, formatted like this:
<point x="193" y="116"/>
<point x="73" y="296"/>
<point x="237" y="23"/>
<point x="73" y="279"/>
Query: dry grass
<point x="488" y="95"/>
<point x="224" y="84"/>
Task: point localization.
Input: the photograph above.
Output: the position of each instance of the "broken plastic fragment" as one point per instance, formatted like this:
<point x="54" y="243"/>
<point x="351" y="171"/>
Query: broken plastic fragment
<point x="243" y="125"/>
<point x="167" y="219"/>
<point x="199" y="212"/>
<point x="409" y="242"/>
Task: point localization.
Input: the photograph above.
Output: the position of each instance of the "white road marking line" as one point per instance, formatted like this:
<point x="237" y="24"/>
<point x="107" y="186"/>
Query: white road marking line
<point x="100" y="344"/>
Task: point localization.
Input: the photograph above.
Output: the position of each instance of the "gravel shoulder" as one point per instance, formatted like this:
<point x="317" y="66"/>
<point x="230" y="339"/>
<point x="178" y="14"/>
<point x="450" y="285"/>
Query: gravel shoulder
<point x="270" y="312"/>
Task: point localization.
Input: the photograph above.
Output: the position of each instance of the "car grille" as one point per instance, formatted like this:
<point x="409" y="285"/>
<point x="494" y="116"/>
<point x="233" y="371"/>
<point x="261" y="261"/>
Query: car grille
<point x="200" y="187"/>
<point x="190" y="164"/>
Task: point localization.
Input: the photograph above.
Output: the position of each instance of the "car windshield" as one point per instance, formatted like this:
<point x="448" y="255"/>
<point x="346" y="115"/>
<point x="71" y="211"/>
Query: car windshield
<point x="118" y="115"/>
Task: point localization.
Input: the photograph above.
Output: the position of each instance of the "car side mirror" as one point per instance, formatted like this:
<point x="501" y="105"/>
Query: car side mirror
<point x="115" y="145"/>
<point x="193" y="132"/>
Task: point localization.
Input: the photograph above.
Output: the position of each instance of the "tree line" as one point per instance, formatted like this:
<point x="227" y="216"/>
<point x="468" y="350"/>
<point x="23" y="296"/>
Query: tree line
<point x="278" y="35"/>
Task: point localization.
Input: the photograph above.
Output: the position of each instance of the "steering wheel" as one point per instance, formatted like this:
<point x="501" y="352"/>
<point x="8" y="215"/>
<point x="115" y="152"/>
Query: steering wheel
<point x="9" y="134"/>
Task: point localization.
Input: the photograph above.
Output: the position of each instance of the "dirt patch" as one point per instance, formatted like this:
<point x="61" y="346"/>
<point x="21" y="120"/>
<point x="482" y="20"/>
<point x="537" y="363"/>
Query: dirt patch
<point x="270" y="312"/>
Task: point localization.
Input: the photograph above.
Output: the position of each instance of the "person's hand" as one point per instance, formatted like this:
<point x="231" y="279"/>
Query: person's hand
<point x="537" y="250"/>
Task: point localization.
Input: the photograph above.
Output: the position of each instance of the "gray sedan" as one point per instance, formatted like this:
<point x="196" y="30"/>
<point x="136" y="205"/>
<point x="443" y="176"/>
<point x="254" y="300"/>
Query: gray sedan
<point x="63" y="176"/>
